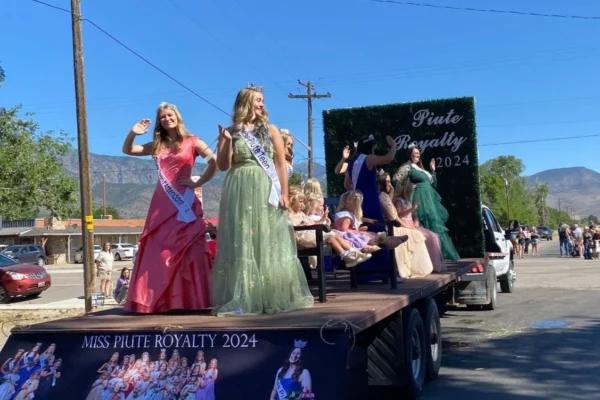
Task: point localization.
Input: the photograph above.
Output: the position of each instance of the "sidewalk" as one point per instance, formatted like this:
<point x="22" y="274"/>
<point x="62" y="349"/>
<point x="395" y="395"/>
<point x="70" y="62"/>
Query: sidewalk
<point x="72" y="268"/>
<point x="69" y="304"/>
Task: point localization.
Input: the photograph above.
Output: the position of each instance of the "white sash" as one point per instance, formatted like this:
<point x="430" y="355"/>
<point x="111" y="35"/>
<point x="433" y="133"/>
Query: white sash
<point x="281" y="393"/>
<point x="182" y="203"/>
<point x="360" y="160"/>
<point x="267" y="165"/>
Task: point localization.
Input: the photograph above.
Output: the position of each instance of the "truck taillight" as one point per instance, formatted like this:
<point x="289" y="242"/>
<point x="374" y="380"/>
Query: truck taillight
<point x="478" y="269"/>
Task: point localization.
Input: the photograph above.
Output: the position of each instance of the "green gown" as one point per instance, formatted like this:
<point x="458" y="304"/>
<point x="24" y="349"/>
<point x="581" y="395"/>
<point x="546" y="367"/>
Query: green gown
<point x="431" y="213"/>
<point x="256" y="267"/>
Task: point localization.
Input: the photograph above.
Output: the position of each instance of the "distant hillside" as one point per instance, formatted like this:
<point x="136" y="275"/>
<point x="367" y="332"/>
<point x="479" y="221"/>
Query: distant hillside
<point x="577" y="187"/>
<point x="130" y="182"/>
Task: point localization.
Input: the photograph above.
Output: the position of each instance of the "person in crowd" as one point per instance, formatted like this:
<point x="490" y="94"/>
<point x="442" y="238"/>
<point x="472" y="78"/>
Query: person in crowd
<point x="122" y="287"/>
<point x="104" y="264"/>
<point x="172" y="267"/>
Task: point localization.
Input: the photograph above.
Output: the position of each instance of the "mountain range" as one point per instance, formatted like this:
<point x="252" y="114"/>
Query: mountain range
<point x="130" y="183"/>
<point x="575" y="187"/>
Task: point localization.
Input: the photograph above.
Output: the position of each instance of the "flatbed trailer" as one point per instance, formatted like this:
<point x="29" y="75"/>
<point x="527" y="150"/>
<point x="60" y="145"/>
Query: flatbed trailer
<point x="365" y="341"/>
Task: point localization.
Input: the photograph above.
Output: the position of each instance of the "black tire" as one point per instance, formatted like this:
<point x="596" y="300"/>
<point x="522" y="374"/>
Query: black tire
<point x="117" y="257"/>
<point x="40" y="261"/>
<point x="492" y="285"/>
<point x="433" y="339"/>
<point x="507" y="282"/>
<point x="4" y="297"/>
<point x="415" y="356"/>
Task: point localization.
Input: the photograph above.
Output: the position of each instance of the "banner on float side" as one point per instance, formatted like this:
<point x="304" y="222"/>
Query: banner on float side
<point x="444" y="130"/>
<point x="223" y="365"/>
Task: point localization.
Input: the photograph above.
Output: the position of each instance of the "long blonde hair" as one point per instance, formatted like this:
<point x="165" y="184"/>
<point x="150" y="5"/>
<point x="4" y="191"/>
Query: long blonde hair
<point x="351" y="201"/>
<point x="404" y="189"/>
<point x="313" y="186"/>
<point x="311" y="203"/>
<point x="243" y="113"/>
<point x="243" y="109"/>
<point x="160" y="133"/>
<point x="295" y="194"/>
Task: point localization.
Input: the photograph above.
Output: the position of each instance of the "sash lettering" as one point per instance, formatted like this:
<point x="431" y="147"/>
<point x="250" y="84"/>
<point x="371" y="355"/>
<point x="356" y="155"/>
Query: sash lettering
<point x="267" y="165"/>
<point x="281" y="393"/>
<point x="360" y="160"/>
<point x="182" y="203"/>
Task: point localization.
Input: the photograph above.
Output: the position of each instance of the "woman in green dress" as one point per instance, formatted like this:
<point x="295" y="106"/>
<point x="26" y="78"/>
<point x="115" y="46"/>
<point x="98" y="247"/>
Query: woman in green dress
<point x="256" y="267"/>
<point x="431" y="213"/>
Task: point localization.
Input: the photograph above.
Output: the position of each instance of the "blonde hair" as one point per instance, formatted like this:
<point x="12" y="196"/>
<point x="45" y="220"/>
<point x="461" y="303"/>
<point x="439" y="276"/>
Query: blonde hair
<point x="295" y="195"/>
<point x="313" y="186"/>
<point x="351" y="201"/>
<point x="404" y="189"/>
<point x="160" y="133"/>
<point x="243" y="109"/>
<point x="312" y="201"/>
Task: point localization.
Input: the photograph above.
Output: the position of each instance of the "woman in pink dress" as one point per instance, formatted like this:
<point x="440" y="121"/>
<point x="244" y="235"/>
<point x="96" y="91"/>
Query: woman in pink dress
<point x="172" y="267"/>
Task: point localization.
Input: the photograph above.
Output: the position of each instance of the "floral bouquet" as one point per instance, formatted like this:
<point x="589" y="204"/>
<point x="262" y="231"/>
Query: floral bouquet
<point x="304" y="394"/>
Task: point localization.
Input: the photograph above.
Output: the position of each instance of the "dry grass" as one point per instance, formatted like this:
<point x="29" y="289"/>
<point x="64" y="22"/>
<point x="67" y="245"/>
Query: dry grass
<point x="10" y="319"/>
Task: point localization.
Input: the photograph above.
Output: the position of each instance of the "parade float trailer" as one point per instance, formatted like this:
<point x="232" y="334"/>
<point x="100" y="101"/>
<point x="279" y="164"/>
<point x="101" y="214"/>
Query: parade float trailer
<point x="360" y="342"/>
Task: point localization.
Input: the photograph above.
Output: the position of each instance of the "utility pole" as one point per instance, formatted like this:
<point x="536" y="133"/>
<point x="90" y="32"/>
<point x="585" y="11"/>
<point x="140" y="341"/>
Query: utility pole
<point x="309" y="96"/>
<point x="85" y="187"/>
<point x="103" y="196"/>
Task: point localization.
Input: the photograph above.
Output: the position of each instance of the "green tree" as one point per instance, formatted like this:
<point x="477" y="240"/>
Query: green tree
<point x="295" y="179"/>
<point x="31" y="175"/>
<point x="505" y="191"/>
<point x="110" y="210"/>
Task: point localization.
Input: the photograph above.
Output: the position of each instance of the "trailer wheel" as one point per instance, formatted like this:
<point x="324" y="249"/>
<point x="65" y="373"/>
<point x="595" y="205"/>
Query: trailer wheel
<point x="507" y="282"/>
<point x="415" y="354"/>
<point x="433" y="338"/>
<point x="492" y="290"/>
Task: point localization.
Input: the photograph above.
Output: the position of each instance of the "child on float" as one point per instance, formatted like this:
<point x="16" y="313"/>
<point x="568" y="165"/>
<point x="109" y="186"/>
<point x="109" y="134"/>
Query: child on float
<point x="348" y="222"/>
<point x="308" y="239"/>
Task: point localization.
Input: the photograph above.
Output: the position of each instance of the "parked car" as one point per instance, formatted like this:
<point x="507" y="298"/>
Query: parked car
<point x="26" y="253"/>
<point x="3" y="247"/>
<point x="122" y="250"/>
<point x="545" y="232"/>
<point x="18" y="279"/>
<point x="79" y="253"/>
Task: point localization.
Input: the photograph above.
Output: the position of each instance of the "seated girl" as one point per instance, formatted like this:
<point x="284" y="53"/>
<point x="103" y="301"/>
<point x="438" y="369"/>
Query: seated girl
<point x="308" y="239"/>
<point x="122" y="287"/>
<point x="412" y="257"/>
<point x="408" y="219"/>
<point x="313" y="207"/>
<point x="348" y="220"/>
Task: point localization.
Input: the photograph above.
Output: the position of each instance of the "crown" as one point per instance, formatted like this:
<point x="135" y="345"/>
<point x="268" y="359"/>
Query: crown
<point x="371" y="138"/>
<point x="380" y="172"/>
<point x="300" y="344"/>
<point x="412" y="145"/>
<point x="163" y="350"/>
<point x="252" y="86"/>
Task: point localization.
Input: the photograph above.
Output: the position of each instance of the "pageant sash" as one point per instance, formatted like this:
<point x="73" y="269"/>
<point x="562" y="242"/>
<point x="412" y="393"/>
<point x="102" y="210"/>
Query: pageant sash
<point x="281" y="392"/>
<point x="267" y="165"/>
<point x="360" y="160"/>
<point x="182" y="203"/>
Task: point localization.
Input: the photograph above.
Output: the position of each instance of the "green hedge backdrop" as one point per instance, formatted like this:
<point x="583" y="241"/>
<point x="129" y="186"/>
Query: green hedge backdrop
<point x="445" y="130"/>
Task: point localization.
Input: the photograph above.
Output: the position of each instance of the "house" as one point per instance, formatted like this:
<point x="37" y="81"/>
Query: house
<point x="61" y="239"/>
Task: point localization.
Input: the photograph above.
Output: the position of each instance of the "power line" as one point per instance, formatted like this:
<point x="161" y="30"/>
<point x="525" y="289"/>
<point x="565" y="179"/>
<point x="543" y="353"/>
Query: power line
<point x="512" y="12"/>
<point x="540" y="140"/>
<point x="139" y="56"/>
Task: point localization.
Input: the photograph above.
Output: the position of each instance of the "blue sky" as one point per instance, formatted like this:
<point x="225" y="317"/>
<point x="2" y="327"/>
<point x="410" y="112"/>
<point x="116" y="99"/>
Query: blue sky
<point x="533" y="78"/>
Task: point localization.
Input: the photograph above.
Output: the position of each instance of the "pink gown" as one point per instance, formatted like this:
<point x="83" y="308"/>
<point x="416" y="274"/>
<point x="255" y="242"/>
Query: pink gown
<point x="172" y="267"/>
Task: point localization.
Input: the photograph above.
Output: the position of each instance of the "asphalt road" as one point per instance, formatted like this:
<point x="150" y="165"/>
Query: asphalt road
<point x="543" y="341"/>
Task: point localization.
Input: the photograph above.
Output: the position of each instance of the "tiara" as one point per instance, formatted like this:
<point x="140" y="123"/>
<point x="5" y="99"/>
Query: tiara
<point x="412" y="145"/>
<point x="300" y="344"/>
<point x="371" y="138"/>
<point x="252" y="86"/>
<point x="380" y="172"/>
